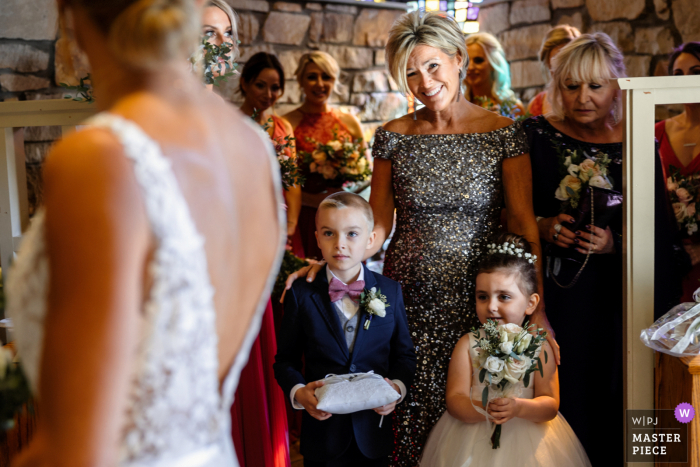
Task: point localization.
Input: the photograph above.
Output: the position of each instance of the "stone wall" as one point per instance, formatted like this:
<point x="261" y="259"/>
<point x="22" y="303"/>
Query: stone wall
<point x="34" y="59"/>
<point x="353" y="35"/>
<point x="646" y="31"/>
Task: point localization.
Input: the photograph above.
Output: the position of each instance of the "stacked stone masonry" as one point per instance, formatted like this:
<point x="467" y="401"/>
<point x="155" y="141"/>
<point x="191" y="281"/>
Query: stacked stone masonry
<point x="34" y="57"/>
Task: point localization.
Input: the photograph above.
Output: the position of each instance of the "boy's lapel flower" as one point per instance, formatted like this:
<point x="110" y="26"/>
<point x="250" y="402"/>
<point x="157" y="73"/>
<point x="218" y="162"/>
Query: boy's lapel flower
<point x="374" y="303"/>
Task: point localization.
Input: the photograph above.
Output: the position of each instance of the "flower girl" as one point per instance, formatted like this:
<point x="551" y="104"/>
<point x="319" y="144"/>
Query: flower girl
<point x="533" y="433"/>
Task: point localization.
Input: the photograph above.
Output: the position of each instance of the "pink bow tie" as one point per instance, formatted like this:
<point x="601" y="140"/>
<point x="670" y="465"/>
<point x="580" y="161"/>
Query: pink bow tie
<point x="337" y="290"/>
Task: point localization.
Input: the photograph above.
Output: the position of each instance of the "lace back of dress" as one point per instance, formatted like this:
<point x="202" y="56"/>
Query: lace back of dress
<point x="174" y="404"/>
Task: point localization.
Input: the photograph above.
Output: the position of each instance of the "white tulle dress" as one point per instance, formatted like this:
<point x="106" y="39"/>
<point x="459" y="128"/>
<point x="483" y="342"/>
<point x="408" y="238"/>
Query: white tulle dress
<point x="175" y="415"/>
<point x="453" y="443"/>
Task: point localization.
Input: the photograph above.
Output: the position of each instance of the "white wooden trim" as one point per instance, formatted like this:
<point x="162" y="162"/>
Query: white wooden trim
<point x="13" y="177"/>
<point x="641" y="95"/>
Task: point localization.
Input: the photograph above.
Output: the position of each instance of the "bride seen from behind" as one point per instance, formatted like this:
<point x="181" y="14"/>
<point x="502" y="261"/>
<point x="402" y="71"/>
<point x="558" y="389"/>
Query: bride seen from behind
<point x="127" y="357"/>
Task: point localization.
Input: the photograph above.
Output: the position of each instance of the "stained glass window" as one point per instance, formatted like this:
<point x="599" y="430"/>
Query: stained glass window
<point x="465" y="13"/>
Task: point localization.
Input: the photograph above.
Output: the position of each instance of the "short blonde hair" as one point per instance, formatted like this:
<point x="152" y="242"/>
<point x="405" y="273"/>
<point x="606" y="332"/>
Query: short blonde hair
<point x="497" y="59"/>
<point x="590" y="58"/>
<point x="226" y="8"/>
<point x="558" y="35"/>
<point x="429" y="29"/>
<point x="324" y="61"/>
<point x="345" y="199"/>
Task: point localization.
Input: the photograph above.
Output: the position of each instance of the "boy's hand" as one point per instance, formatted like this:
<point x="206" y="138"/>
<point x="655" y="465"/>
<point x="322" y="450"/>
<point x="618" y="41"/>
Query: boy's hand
<point x="387" y="409"/>
<point x="503" y="409"/>
<point x="307" y="398"/>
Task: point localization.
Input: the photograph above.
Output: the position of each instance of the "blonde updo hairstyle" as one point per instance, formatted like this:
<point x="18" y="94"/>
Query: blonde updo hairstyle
<point x="324" y="61"/>
<point x="558" y="35"/>
<point x="419" y="28"/>
<point x="144" y="34"/>
<point x="497" y="59"/>
<point x="590" y="58"/>
<point x="226" y="8"/>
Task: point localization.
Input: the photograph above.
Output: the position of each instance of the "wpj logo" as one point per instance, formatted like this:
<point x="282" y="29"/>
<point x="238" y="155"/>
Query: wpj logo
<point x="658" y="435"/>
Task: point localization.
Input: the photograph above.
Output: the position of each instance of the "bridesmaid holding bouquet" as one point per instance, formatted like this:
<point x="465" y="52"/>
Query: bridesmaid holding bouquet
<point x="314" y="123"/>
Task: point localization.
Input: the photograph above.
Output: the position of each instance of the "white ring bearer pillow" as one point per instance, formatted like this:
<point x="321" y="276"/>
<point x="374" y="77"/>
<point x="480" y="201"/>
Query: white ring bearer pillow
<point x="343" y="394"/>
<point x="677" y="332"/>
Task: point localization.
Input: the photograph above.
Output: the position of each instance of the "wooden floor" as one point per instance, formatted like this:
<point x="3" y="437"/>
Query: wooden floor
<point x="297" y="459"/>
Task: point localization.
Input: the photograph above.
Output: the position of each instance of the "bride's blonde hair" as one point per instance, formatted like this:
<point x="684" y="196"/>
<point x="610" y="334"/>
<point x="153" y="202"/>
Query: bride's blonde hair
<point x="145" y="33"/>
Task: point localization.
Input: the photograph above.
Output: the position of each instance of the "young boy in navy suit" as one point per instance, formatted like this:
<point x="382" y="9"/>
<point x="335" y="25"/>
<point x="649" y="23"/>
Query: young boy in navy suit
<point x="324" y="323"/>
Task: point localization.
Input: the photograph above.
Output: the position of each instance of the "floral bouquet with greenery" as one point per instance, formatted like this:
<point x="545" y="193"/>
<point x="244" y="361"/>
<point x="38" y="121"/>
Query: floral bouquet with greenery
<point x="212" y="58"/>
<point x="508" y="354"/>
<point x="340" y="160"/>
<point x="14" y="388"/>
<point x="288" y="166"/>
<point x="580" y="171"/>
<point x="683" y="192"/>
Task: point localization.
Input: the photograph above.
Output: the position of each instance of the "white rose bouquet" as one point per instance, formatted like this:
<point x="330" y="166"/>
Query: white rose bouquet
<point x="340" y="160"/>
<point x="508" y="354"/>
<point x="683" y="192"/>
<point x="579" y="171"/>
<point x="374" y="303"/>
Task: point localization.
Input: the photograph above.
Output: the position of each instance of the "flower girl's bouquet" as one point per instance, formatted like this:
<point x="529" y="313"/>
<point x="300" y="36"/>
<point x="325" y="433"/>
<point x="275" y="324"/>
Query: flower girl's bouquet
<point x="340" y="161"/>
<point x="508" y="354"/>
<point x="683" y="192"/>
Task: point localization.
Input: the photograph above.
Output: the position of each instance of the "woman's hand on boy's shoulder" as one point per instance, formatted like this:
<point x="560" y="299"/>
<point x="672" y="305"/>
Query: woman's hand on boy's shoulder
<point x="309" y="272"/>
<point x="306" y="396"/>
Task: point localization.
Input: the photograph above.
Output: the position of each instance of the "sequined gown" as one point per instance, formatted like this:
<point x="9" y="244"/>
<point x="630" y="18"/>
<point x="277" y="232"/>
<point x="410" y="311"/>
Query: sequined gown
<point x="448" y="194"/>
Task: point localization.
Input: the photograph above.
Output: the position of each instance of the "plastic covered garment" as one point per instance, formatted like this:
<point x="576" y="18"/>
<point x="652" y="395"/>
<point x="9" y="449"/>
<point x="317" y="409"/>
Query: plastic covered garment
<point x="351" y="393"/>
<point x="677" y="332"/>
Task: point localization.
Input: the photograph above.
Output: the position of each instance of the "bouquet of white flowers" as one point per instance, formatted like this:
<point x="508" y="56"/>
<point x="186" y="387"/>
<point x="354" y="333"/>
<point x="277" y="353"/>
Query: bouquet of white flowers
<point x="508" y="354"/>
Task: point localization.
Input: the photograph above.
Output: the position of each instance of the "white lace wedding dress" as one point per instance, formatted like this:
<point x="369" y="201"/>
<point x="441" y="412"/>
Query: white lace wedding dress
<point x="176" y="416"/>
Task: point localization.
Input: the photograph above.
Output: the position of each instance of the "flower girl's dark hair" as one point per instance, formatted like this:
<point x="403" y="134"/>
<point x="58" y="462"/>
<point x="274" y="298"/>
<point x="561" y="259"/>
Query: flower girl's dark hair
<point x="500" y="258"/>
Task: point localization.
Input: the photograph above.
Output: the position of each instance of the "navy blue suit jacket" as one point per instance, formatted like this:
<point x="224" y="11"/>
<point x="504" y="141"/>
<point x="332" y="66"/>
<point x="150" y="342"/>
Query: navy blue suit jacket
<point x="311" y="328"/>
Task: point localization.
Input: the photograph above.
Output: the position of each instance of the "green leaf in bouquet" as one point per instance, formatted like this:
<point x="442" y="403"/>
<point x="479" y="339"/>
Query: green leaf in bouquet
<point x="526" y="379"/>
<point x="485" y="396"/>
<point x="545" y="357"/>
<point x="489" y="375"/>
<point x="539" y="367"/>
<point x="482" y="375"/>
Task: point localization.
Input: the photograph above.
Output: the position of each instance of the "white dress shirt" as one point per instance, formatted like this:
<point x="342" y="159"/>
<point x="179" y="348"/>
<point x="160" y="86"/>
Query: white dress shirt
<point x="348" y="308"/>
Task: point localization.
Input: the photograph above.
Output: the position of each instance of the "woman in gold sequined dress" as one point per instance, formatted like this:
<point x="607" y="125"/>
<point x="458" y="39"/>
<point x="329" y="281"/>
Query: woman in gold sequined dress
<point x="447" y="169"/>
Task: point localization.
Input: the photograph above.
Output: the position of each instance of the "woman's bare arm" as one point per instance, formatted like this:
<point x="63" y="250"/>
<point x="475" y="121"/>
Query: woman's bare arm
<point x="293" y="194"/>
<point x="381" y="199"/>
<point x="517" y="185"/>
<point x="98" y="237"/>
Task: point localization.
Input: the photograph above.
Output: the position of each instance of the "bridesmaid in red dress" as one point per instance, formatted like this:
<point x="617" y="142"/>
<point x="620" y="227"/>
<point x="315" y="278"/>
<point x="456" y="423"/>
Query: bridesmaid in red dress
<point x="317" y="75"/>
<point x="258" y="415"/>
<point x="679" y="146"/>
<point x="553" y="42"/>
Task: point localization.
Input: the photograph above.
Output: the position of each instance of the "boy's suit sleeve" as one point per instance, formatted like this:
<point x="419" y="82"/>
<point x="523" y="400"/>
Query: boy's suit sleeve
<point x="403" y="356"/>
<point x="290" y="346"/>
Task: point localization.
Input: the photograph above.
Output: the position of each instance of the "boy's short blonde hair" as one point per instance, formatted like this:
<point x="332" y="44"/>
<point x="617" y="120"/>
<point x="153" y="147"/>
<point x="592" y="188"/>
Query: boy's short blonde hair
<point x="590" y="58"/>
<point x="344" y="199"/>
<point x="324" y="61"/>
<point x="419" y="28"/>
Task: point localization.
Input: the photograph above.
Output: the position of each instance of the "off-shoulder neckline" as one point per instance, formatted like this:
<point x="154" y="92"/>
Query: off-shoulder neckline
<point x="509" y="127"/>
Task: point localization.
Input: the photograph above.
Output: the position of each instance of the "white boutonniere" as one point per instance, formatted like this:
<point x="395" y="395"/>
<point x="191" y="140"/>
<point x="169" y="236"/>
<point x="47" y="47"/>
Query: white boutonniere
<point x="374" y="303"/>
